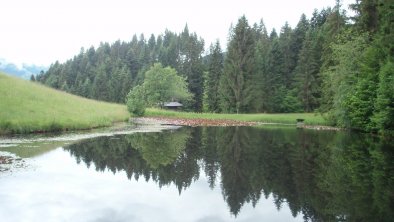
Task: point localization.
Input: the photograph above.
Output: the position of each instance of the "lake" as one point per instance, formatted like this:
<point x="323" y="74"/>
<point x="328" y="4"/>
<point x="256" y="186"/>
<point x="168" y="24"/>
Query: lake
<point x="199" y="174"/>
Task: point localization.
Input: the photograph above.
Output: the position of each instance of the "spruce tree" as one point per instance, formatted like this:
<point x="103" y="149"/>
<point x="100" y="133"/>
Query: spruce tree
<point x="289" y="55"/>
<point x="237" y="79"/>
<point x="307" y="81"/>
<point x="262" y="49"/>
<point x="275" y="88"/>
<point x="215" y="70"/>
<point x="100" y="86"/>
<point x="298" y="35"/>
<point x="191" y="66"/>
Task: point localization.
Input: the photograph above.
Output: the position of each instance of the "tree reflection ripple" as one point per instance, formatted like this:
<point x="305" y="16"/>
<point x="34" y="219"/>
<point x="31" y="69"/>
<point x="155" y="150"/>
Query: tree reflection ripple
<point x="325" y="176"/>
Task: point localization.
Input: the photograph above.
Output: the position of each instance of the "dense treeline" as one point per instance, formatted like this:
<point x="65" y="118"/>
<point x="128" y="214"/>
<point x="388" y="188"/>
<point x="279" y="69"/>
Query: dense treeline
<point x="110" y="71"/>
<point x="340" y="66"/>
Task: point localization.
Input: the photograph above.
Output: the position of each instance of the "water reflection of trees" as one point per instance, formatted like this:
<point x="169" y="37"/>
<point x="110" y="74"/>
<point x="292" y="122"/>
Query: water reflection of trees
<point x="325" y="176"/>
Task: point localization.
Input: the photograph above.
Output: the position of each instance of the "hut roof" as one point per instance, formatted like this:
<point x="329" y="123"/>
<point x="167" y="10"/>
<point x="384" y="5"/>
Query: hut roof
<point x="172" y="104"/>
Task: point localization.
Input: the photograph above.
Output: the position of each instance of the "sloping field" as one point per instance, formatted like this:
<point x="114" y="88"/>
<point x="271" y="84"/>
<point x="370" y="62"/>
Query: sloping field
<point x="27" y="107"/>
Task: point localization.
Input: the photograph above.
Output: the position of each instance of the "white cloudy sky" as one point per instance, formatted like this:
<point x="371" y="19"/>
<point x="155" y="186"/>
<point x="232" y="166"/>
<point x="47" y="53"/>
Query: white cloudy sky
<point x="43" y="31"/>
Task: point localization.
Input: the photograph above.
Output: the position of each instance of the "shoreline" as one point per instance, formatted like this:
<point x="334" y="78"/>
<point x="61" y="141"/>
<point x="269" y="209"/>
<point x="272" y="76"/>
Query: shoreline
<point x="171" y="121"/>
<point x="195" y="122"/>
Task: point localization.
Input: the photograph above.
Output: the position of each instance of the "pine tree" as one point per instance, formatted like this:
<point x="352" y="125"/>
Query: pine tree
<point x="307" y="72"/>
<point x="100" y="85"/>
<point x="298" y="37"/>
<point x="383" y="118"/>
<point x="237" y="79"/>
<point x="289" y="55"/>
<point x="331" y="32"/>
<point x="215" y="70"/>
<point x="275" y="83"/>
<point x="169" y="52"/>
<point x="191" y="66"/>
<point x="367" y="15"/>
<point x="152" y="49"/>
<point x="261" y="69"/>
<point x="86" y="88"/>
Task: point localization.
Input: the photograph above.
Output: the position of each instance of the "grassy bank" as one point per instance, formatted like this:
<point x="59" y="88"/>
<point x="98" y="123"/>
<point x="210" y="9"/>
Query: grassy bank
<point x="285" y="118"/>
<point x="30" y="107"/>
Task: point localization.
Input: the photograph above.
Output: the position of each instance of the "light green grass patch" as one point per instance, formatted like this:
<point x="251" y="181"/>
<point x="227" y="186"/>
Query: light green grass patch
<point x="29" y="107"/>
<point x="284" y="118"/>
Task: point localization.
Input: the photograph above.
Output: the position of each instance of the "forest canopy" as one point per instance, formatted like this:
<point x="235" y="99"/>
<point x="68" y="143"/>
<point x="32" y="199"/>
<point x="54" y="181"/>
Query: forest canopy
<point x="329" y="63"/>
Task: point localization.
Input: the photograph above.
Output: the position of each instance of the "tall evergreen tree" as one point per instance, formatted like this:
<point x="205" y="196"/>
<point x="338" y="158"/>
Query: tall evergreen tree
<point x="237" y="80"/>
<point x="366" y="14"/>
<point x="100" y="85"/>
<point x="298" y="38"/>
<point x="215" y="70"/>
<point x="261" y="69"/>
<point x="152" y="49"/>
<point x="275" y="90"/>
<point x="191" y="66"/>
<point x="330" y="31"/>
<point x="169" y="53"/>
<point x="307" y="72"/>
<point x="289" y="55"/>
<point x="383" y="118"/>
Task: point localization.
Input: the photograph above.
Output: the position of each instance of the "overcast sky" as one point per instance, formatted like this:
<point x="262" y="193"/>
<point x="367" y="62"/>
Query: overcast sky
<point x="42" y="31"/>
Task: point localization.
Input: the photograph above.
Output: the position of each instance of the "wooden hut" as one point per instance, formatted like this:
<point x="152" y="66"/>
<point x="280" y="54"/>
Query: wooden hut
<point x="173" y="105"/>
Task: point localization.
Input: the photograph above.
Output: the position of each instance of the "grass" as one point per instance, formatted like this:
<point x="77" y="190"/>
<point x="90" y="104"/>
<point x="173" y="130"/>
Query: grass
<point x="282" y="118"/>
<point x="27" y="107"/>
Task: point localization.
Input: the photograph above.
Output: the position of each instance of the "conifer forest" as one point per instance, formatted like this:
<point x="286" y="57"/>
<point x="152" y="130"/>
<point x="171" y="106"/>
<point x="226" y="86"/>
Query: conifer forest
<point x="337" y="62"/>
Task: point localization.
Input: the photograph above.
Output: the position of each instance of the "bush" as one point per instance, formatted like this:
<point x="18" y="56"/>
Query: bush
<point x="135" y="101"/>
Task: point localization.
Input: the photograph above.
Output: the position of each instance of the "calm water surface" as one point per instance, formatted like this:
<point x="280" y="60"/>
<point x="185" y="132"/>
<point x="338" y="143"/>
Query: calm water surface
<point x="201" y="174"/>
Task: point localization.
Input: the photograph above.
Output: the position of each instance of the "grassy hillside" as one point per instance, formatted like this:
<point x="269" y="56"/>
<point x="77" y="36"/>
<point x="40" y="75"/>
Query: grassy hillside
<point x="30" y="107"/>
<point x="285" y="118"/>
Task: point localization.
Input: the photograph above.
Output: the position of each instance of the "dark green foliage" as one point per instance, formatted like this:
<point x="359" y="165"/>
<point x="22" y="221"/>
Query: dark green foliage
<point x="190" y="65"/>
<point x="275" y="79"/>
<point x="100" y="88"/>
<point x="298" y="36"/>
<point x="307" y="83"/>
<point x="341" y="79"/>
<point x="215" y="70"/>
<point x="110" y="71"/>
<point x="342" y="69"/>
<point x="237" y="83"/>
<point x="289" y="55"/>
<point x="360" y="73"/>
<point x="262" y="103"/>
<point x="383" y="118"/>
<point x="367" y="16"/>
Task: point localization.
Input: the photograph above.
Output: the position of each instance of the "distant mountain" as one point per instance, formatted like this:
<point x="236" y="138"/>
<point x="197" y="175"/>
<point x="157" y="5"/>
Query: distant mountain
<point x="24" y="72"/>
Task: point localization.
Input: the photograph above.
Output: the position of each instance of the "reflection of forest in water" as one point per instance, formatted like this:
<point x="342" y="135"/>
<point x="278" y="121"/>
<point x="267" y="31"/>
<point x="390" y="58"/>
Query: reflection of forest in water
<point x="326" y="176"/>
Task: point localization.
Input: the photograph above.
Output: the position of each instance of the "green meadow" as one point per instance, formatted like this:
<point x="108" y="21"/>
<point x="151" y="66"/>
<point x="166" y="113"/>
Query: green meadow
<point x="281" y="118"/>
<point x="27" y="107"/>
